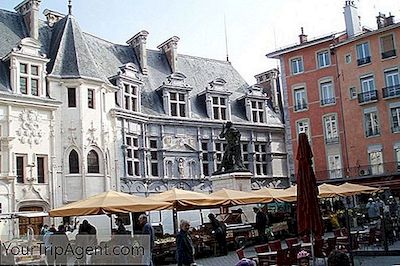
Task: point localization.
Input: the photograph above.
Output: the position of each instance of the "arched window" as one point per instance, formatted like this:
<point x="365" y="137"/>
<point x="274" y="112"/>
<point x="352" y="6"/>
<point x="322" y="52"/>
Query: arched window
<point x="73" y="162"/>
<point x="93" y="162"/>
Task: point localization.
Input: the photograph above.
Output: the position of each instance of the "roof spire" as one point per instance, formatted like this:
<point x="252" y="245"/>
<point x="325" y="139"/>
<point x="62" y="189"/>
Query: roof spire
<point x="69" y="7"/>
<point x="226" y="41"/>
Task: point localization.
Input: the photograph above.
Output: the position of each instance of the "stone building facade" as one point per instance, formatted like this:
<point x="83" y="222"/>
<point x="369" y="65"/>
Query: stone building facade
<point x="80" y="115"/>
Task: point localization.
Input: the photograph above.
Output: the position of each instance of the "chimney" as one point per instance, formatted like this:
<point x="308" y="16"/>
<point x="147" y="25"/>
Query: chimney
<point x="52" y="17"/>
<point x="351" y="18"/>
<point x="138" y="43"/>
<point x="389" y="20"/>
<point x="29" y="9"/>
<point x="169" y="48"/>
<point x="381" y="20"/>
<point x="302" y="36"/>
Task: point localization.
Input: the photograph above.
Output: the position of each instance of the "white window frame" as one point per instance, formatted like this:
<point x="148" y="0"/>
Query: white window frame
<point x="371" y="120"/>
<point x="395" y="119"/>
<point x="325" y="59"/>
<point x="327" y="93"/>
<point x="331" y="127"/>
<point x="260" y="159"/>
<point x="303" y="126"/>
<point x="29" y="76"/>
<point x="178" y="103"/>
<point x="335" y="166"/>
<point x="367" y="83"/>
<point x="219" y="109"/>
<point x="257" y="111"/>
<point x="347" y="58"/>
<point x="352" y="93"/>
<point x="296" y="65"/>
<point x="392" y="77"/>
<point x="131" y="97"/>
<point x="364" y="52"/>
<point x="132" y="155"/>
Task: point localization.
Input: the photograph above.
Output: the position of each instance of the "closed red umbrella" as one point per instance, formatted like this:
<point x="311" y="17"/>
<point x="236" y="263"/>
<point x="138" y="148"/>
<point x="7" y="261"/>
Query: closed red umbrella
<point x="308" y="213"/>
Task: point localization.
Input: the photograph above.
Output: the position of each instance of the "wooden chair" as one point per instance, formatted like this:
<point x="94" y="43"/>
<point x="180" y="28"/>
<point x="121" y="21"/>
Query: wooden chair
<point x="275" y="245"/>
<point x="291" y="241"/>
<point x="370" y="239"/>
<point x="261" y="248"/>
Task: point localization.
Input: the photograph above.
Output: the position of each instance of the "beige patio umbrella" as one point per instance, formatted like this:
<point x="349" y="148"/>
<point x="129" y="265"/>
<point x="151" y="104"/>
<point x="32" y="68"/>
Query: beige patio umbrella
<point x="277" y="194"/>
<point x="185" y="199"/>
<point x="237" y="197"/>
<point x="349" y="189"/>
<point x="108" y="203"/>
<point x="328" y="191"/>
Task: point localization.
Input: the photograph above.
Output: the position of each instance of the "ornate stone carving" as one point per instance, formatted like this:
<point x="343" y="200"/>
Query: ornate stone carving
<point x="179" y="142"/>
<point x="29" y="132"/>
<point x="92" y="139"/>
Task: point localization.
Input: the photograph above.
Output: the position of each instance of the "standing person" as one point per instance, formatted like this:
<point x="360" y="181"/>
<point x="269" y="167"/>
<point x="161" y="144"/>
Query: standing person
<point x="59" y="241"/>
<point x="261" y="224"/>
<point x="121" y="230"/>
<point x="184" y="246"/>
<point x="393" y="206"/>
<point x="372" y="210"/>
<point x="147" y="229"/>
<point x="219" y="233"/>
<point x="47" y="245"/>
<point x="380" y="204"/>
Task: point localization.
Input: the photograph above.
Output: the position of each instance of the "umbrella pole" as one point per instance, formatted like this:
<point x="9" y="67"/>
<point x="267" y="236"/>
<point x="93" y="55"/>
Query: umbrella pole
<point x="175" y="220"/>
<point x="312" y="246"/>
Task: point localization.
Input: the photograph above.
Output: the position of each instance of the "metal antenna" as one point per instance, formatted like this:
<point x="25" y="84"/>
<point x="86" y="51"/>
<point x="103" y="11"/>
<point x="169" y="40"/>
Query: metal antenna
<point x="226" y="41"/>
<point x="69" y="7"/>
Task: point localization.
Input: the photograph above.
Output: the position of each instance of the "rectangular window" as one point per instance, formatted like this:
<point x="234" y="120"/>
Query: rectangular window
<point x="334" y="166"/>
<point x="71" y="97"/>
<point x="347" y="58"/>
<point x="324" y="59"/>
<point x="23" y="85"/>
<point x="352" y="93"/>
<point x="387" y="46"/>
<point x="397" y="157"/>
<point x="260" y="158"/>
<point x="363" y="54"/>
<point x="131" y="98"/>
<point x="20" y="169"/>
<point x="376" y="162"/>
<point x="327" y="93"/>
<point x="219" y="150"/>
<point x="35" y="87"/>
<point x="132" y="155"/>
<point x="303" y="127"/>
<point x="371" y="124"/>
<point x="297" y="65"/>
<point x="177" y="104"/>
<point x="153" y="158"/>
<point x="91" y="98"/>
<point x="23" y="68"/>
<point x="392" y="82"/>
<point x="331" y="130"/>
<point x="245" y="153"/>
<point x="34" y="70"/>
<point x="395" y="119"/>
<point x="300" y="99"/>
<point x="205" y="158"/>
<point x="41" y="168"/>
<point x="219" y="108"/>
<point x="368" y="90"/>
<point x="257" y="111"/>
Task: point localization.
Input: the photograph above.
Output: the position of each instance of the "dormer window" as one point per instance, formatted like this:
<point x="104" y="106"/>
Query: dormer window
<point x="29" y="79"/>
<point x="257" y="111"/>
<point x="177" y="104"/>
<point x="129" y="83"/>
<point x="175" y="94"/>
<point x="255" y="101"/>
<point x="216" y="96"/>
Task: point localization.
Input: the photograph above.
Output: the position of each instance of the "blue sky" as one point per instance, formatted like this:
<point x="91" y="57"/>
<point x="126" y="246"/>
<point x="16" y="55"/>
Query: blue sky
<point x="254" y="27"/>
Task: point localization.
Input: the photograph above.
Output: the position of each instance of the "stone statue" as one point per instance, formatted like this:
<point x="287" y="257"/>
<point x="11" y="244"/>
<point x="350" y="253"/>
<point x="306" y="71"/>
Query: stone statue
<point x="232" y="160"/>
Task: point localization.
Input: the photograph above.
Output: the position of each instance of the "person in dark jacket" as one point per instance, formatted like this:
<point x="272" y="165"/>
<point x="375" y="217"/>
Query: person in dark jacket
<point x="184" y="246"/>
<point x="261" y="225"/>
<point x="219" y="231"/>
<point x="147" y="229"/>
<point x="59" y="242"/>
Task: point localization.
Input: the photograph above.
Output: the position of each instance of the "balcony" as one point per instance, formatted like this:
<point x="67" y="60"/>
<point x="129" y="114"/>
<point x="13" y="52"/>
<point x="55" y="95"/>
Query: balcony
<point x="363" y="61"/>
<point x="391" y="91"/>
<point x="382" y="169"/>
<point x="388" y="54"/>
<point x="332" y="140"/>
<point x="327" y="101"/>
<point x="300" y="107"/>
<point x="368" y="96"/>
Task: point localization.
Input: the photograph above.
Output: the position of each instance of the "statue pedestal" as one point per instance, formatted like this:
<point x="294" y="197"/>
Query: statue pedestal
<point x="235" y="180"/>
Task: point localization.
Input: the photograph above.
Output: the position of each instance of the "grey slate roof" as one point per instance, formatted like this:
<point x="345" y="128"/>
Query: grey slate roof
<point x="74" y="54"/>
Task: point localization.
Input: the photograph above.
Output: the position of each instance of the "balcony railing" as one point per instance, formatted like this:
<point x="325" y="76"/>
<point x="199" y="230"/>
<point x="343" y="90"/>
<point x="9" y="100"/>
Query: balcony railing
<point x="388" y="54"/>
<point x="328" y="101"/>
<point x="332" y="140"/>
<point x="391" y="91"/>
<point x="395" y="129"/>
<point x="369" y="132"/>
<point x="363" y="61"/>
<point x="300" y="107"/>
<point x="390" y="168"/>
<point x="368" y="96"/>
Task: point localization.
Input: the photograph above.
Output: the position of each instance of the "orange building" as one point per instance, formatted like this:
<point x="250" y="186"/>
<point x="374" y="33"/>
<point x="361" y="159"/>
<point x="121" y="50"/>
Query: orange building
<point x="343" y="90"/>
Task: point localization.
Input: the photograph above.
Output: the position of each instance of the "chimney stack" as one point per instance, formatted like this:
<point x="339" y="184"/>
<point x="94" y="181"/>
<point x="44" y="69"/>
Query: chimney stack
<point x="138" y="43"/>
<point x="351" y="18"/>
<point x="52" y="17"/>
<point x="380" y="20"/>
<point x="302" y="36"/>
<point x="389" y="20"/>
<point x="169" y="48"/>
<point x="29" y="9"/>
